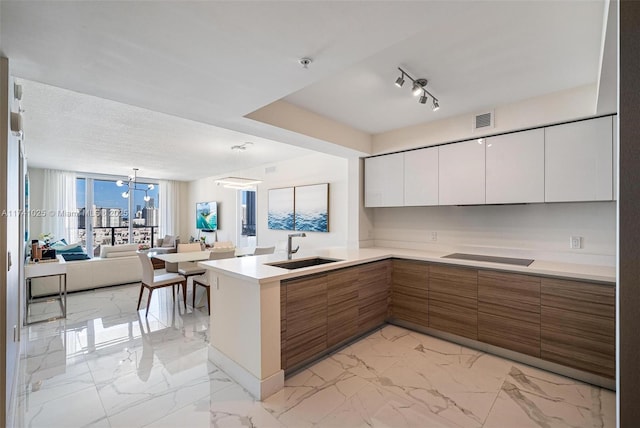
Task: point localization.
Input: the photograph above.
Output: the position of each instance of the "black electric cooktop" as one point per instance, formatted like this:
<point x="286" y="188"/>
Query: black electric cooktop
<point x="491" y="259"/>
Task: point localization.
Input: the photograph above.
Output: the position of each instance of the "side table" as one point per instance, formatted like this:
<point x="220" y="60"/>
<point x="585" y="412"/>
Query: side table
<point x="42" y="270"/>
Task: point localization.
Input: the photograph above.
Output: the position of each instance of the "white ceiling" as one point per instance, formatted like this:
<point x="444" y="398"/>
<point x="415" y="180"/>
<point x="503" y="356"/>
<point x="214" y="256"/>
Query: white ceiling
<point x="71" y="131"/>
<point x="215" y="62"/>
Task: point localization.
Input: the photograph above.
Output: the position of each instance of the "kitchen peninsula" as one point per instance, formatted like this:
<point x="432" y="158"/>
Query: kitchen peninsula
<point x="266" y="320"/>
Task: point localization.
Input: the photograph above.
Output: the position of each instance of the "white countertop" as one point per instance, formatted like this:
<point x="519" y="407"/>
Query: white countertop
<point x="254" y="268"/>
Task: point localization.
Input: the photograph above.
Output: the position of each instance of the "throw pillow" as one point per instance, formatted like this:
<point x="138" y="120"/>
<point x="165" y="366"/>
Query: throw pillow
<point x="75" y="256"/>
<point x="68" y="249"/>
<point x="61" y="243"/>
<point x="169" y="241"/>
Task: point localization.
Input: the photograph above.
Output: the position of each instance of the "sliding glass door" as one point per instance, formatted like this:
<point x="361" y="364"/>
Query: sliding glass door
<point x="108" y="218"/>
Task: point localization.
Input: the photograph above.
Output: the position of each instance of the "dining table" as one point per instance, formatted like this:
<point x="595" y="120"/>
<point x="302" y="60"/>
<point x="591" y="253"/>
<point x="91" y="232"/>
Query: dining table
<point x="196" y="256"/>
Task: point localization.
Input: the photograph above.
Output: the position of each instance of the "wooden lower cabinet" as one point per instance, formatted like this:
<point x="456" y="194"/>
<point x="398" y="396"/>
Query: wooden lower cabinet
<point x="283" y="326"/>
<point x="318" y="312"/>
<point x="578" y="325"/>
<point x="374" y="280"/>
<point x="343" y="307"/>
<point x="453" y="300"/>
<point x="567" y="322"/>
<point x="509" y="311"/>
<point x="306" y="318"/>
<point x="410" y="292"/>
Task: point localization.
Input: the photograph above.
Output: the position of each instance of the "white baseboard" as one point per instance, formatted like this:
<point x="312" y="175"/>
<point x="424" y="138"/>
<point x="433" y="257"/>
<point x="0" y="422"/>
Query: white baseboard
<point x="261" y="389"/>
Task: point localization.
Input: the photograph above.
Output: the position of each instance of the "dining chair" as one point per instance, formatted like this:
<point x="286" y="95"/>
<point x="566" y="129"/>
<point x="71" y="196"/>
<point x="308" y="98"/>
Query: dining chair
<point x="264" y="250"/>
<point x="151" y="281"/>
<point x="223" y="244"/>
<point x="203" y="280"/>
<point x="182" y="248"/>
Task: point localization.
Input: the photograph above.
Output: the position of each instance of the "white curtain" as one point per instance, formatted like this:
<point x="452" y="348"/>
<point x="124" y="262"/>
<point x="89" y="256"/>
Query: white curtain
<point x="60" y="214"/>
<point x="169" y="206"/>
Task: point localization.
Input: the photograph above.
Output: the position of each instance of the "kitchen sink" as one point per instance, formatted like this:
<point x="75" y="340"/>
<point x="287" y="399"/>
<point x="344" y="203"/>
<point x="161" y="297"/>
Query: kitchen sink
<point x="302" y="263"/>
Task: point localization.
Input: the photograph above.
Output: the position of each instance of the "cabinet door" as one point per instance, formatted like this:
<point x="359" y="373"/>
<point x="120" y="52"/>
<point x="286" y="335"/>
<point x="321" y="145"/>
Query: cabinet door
<point x="342" y="300"/>
<point x="453" y="300"/>
<point x="306" y="322"/>
<point x="283" y="326"/>
<point x="421" y="177"/>
<point x="410" y="292"/>
<point x="515" y="167"/>
<point x="384" y="181"/>
<point x="578" y="161"/>
<point x="461" y="173"/>
<point x="578" y="325"/>
<point x="509" y="311"/>
<point x="373" y="295"/>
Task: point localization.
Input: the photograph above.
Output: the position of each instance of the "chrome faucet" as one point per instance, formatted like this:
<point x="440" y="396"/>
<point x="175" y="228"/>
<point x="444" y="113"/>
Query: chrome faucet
<point x="291" y="251"/>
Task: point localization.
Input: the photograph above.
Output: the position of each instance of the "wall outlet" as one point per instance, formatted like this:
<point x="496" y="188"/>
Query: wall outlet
<point x="434" y="236"/>
<point x="575" y="242"/>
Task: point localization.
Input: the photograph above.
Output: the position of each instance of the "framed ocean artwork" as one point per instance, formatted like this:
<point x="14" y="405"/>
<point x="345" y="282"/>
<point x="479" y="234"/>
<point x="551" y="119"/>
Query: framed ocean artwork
<point x="312" y="208"/>
<point x="280" y="211"/>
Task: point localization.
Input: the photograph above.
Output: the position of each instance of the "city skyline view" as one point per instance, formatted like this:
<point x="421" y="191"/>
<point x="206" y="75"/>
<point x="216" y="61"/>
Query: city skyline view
<point x="106" y="194"/>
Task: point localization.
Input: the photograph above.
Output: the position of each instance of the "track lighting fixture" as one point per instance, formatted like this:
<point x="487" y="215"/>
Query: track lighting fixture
<point x="418" y="88"/>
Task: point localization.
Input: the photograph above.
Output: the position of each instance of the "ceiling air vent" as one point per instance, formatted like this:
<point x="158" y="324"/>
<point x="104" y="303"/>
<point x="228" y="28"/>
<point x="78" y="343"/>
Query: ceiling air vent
<point x="483" y="121"/>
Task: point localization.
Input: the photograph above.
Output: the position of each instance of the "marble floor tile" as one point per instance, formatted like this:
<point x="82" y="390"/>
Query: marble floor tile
<point x="81" y="408"/>
<point x="312" y="394"/>
<point x="372" y="406"/>
<point x="109" y="365"/>
<point x="538" y="398"/>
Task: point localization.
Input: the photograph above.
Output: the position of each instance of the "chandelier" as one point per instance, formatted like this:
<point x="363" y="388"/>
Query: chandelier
<point x="132" y="184"/>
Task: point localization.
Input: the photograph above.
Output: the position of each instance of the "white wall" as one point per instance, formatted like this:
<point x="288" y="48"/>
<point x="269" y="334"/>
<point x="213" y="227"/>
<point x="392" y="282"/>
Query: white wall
<point x="560" y="106"/>
<point x="11" y="244"/>
<point x="311" y="169"/>
<point x="539" y="231"/>
<point x="36" y="186"/>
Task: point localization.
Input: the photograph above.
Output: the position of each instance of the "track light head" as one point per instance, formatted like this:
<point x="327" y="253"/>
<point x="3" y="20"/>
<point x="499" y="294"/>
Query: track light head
<point x="418" y="86"/>
<point x="400" y="81"/>
<point x="423" y="98"/>
<point x="436" y="105"/>
<point x="415" y="90"/>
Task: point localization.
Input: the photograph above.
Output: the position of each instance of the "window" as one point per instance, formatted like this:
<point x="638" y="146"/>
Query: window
<point x="248" y="213"/>
<point x="106" y="218"/>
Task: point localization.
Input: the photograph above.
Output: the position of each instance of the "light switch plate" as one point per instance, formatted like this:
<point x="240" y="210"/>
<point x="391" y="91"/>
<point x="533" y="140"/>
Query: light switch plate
<point x="575" y="242"/>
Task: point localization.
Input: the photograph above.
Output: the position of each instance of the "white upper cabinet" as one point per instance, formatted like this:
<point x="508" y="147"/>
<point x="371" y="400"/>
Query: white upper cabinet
<point x="515" y="167"/>
<point x="461" y="173"/>
<point x="421" y="177"/>
<point x="384" y="181"/>
<point x="579" y="161"/>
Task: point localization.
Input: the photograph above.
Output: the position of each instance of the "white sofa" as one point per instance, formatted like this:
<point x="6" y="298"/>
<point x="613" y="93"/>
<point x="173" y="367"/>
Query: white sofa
<point x="117" y="264"/>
